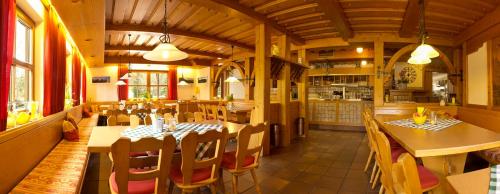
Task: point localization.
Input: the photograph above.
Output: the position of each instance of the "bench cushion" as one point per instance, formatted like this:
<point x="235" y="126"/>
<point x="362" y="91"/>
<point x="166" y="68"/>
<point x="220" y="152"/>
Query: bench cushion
<point x="89" y="122"/>
<point x="61" y="171"/>
<point x="491" y="155"/>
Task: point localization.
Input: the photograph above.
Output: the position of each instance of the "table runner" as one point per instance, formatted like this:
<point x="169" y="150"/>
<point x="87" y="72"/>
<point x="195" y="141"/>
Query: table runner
<point x="441" y="124"/>
<point x="182" y="129"/>
<point x="494" y="182"/>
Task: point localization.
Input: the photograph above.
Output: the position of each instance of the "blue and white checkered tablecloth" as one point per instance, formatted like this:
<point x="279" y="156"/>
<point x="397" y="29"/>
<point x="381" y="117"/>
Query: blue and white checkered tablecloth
<point x="494" y="187"/>
<point x="182" y="129"/>
<point x="440" y="125"/>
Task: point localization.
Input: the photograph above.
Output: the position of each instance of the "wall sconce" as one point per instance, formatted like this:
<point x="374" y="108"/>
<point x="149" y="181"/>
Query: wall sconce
<point x="381" y="73"/>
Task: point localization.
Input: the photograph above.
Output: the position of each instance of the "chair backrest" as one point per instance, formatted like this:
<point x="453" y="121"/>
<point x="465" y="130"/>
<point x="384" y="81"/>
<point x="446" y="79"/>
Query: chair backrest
<point x="111" y="120"/>
<point x="122" y="119"/>
<point x="148" y="120"/>
<point x="405" y="174"/>
<point x="134" y="121"/>
<point x="384" y="158"/>
<point x="215" y="111"/>
<point x="224" y="113"/>
<point x="198" y="117"/>
<point x="189" y="145"/>
<point x="203" y="109"/>
<point x="123" y="163"/>
<point x="367" y="120"/>
<point x="250" y="140"/>
<point x="167" y="116"/>
<point x="189" y="116"/>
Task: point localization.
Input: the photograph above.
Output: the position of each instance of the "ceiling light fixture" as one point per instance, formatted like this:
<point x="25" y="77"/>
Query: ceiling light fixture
<point x="128" y="74"/>
<point x="359" y="50"/>
<point x="424" y="52"/>
<point x="165" y="51"/>
<point x="120" y="83"/>
<point x="363" y="62"/>
<point x="231" y="78"/>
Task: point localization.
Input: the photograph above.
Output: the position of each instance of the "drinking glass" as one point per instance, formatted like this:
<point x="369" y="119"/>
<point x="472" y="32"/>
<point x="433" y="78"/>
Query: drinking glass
<point x="433" y="118"/>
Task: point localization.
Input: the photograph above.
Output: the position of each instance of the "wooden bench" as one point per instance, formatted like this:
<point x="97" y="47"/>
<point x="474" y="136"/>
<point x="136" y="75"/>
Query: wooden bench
<point x="39" y="160"/>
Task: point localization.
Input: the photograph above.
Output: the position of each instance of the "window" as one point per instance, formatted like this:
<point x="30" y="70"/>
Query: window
<point x="21" y="90"/>
<point x="143" y="83"/>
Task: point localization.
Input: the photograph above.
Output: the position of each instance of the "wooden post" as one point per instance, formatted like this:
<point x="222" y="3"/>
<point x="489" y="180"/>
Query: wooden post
<point x="212" y="82"/>
<point x="248" y="74"/>
<point x="457" y="57"/>
<point x="303" y="90"/>
<point x="262" y="68"/>
<point x="378" y="93"/>
<point x="284" y="85"/>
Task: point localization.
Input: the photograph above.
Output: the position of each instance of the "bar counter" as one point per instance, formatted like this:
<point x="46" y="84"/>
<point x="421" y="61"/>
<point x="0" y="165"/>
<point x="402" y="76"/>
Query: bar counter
<point x="337" y="112"/>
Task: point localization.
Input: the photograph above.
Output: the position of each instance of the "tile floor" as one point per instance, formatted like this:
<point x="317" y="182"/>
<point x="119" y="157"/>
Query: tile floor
<point x="326" y="162"/>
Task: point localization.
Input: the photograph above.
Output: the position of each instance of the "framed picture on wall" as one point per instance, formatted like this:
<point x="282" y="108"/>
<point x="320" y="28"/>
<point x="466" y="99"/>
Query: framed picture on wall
<point x="101" y="79"/>
<point x="412" y="75"/>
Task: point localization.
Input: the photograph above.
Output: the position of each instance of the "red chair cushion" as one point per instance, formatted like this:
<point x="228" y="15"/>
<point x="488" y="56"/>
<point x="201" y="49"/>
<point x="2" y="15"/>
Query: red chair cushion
<point x="392" y="142"/>
<point x="198" y="174"/>
<point x="427" y="178"/>
<point x="229" y="160"/>
<point x="137" y="154"/>
<point x="134" y="187"/>
<point x="396" y="152"/>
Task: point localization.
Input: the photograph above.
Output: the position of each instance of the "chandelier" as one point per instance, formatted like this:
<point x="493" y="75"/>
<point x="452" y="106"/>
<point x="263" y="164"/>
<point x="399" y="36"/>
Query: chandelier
<point x="128" y="74"/>
<point x="424" y="52"/>
<point x="231" y="78"/>
<point x="165" y="51"/>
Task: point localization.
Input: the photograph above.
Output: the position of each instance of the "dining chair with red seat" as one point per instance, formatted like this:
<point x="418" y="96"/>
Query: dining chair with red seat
<point x="139" y="175"/>
<point x="246" y="157"/>
<point x="193" y="173"/>
<point x="411" y="178"/>
<point x="428" y="181"/>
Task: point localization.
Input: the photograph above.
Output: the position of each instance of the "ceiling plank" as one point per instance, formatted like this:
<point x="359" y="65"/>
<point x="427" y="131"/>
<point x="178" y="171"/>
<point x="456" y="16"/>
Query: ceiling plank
<point x="144" y="29"/>
<point x="334" y="12"/>
<point x="488" y="21"/>
<point x="149" y="48"/>
<point x="235" y="6"/>
<point x="140" y="60"/>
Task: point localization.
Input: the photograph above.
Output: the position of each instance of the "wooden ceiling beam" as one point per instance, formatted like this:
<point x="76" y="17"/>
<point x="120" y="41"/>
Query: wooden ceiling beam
<point x="410" y="19"/>
<point x="149" y="48"/>
<point x="145" y="29"/>
<point x="140" y="60"/>
<point x="334" y="12"/>
<point x="236" y="6"/>
<point x="488" y="21"/>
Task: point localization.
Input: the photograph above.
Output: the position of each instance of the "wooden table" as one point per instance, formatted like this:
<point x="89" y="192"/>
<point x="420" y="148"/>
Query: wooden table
<point x="472" y="182"/>
<point x="240" y="114"/>
<point x="101" y="138"/>
<point x="443" y="152"/>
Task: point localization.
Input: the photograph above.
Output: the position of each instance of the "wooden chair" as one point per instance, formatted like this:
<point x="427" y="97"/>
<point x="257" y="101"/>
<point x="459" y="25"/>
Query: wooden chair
<point x="223" y="115"/>
<point x="134" y="121"/>
<point x="122" y="119"/>
<point x="189" y="116"/>
<point x="198" y="117"/>
<point x="214" y="113"/>
<point x="112" y="120"/>
<point x="129" y="178"/>
<point x="246" y="157"/>
<point x="371" y="144"/>
<point x="148" y="120"/>
<point x="194" y="173"/>
<point x="203" y="109"/>
<point x="407" y="176"/>
<point x="428" y="181"/>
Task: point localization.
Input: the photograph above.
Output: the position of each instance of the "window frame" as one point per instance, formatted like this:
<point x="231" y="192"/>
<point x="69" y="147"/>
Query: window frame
<point x="148" y="82"/>
<point x="29" y="67"/>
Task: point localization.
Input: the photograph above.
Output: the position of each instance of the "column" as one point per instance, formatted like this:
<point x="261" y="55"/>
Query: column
<point x="304" y="91"/>
<point x="284" y="85"/>
<point x="262" y="68"/>
<point x="378" y="93"/>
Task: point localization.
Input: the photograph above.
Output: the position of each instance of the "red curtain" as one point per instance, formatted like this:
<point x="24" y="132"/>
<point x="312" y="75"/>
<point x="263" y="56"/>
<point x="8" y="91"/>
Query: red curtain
<point x="172" y="84"/>
<point x="84" y="84"/>
<point x="7" y="26"/>
<point x="54" y="64"/>
<point x="122" y="90"/>
<point x="77" y="74"/>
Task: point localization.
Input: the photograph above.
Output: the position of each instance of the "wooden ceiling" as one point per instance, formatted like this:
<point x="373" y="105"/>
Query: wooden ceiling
<point x="206" y="29"/>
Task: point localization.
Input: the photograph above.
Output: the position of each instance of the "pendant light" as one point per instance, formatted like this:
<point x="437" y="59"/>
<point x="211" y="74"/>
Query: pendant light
<point x="424" y="52"/>
<point x="182" y="81"/>
<point x="127" y="75"/>
<point x="120" y="83"/>
<point x="231" y="78"/>
<point x="165" y="51"/>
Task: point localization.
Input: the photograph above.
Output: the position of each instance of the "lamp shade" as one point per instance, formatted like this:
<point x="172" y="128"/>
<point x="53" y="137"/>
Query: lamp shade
<point x="126" y="76"/>
<point x="419" y="60"/>
<point x="120" y="83"/>
<point x="425" y="50"/>
<point x="232" y="79"/>
<point x="165" y="52"/>
<point x="182" y="83"/>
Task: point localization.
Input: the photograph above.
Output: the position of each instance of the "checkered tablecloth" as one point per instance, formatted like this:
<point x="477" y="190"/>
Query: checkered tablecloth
<point x="494" y="180"/>
<point x="182" y="129"/>
<point x="441" y="124"/>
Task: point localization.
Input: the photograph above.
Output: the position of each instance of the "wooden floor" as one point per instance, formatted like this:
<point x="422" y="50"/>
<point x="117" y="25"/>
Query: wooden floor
<point x="326" y="162"/>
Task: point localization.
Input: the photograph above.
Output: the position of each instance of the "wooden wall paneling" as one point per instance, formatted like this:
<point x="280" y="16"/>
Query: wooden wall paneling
<point x="284" y="85"/>
<point x="303" y="89"/>
<point x="378" y="89"/>
<point x="488" y="119"/>
<point x="262" y="71"/>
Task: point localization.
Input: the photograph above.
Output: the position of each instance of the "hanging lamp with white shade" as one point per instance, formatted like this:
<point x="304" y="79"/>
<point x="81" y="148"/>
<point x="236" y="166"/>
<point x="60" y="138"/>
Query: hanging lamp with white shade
<point x="231" y="78"/>
<point x="424" y="52"/>
<point x="120" y="83"/>
<point x="128" y="74"/>
<point x="165" y="51"/>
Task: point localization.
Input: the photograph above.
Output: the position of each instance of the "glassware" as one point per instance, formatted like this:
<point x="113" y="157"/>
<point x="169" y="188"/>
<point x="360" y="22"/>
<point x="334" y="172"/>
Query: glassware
<point x="172" y="124"/>
<point x="433" y="119"/>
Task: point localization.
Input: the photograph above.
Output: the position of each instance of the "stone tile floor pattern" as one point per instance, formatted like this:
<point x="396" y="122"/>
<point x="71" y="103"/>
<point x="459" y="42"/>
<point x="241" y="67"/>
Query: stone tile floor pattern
<point x="326" y="162"/>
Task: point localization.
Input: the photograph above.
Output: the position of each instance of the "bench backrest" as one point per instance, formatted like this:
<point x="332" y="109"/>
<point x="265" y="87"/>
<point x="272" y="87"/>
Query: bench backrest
<point x="76" y="112"/>
<point x="23" y="148"/>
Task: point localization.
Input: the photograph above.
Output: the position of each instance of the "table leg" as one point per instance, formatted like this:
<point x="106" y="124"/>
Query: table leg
<point x="443" y="166"/>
